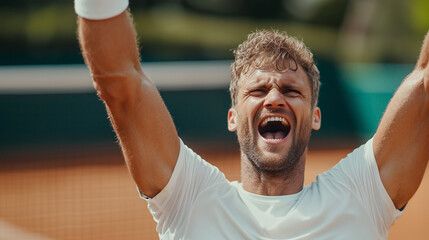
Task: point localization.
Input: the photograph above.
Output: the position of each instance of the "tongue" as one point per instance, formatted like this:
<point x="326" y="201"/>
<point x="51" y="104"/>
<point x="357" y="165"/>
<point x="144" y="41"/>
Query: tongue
<point x="274" y="135"/>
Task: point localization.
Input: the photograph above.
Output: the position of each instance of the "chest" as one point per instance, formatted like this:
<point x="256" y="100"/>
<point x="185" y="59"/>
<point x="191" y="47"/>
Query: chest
<point x="225" y="214"/>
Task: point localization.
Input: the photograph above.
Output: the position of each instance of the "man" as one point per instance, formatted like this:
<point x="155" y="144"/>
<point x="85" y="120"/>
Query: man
<point x="274" y="91"/>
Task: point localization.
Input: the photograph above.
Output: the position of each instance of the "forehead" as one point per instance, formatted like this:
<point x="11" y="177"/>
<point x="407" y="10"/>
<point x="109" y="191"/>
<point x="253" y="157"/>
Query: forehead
<point x="297" y="78"/>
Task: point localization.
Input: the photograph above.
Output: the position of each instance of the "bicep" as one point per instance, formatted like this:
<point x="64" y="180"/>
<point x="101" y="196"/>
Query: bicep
<point x="147" y="136"/>
<point x="401" y="141"/>
<point x="109" y="46"/>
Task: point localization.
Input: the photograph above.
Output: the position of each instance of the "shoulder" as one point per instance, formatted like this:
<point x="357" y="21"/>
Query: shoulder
<point x="356" y="180"/>
<point x="353" y="177"/>
<point x="191" y="176"/>
<point x="357" y="163"/>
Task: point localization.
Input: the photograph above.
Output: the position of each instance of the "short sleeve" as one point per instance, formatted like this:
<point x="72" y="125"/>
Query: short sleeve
<point x="190" y="177"/>
<point x="359" y="173"/>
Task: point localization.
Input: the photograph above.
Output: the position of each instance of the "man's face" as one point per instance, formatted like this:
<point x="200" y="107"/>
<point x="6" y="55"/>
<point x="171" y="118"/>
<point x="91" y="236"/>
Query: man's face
<point x="273" y="118"/>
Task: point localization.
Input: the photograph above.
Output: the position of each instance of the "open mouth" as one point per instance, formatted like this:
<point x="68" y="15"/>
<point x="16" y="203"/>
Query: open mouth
<point x="274" y="128"/>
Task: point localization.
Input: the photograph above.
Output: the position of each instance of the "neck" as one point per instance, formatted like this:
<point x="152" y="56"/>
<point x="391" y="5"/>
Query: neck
<point x="272" y="183"/>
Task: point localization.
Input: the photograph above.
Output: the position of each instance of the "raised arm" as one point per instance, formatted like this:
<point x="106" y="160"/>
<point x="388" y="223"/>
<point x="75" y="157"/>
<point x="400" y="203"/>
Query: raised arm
<point x="401" y="143"/>
<point x="138" y="115"/>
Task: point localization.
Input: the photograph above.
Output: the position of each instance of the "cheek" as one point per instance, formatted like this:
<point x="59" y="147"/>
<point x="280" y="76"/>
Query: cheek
<point x="244" y="128"/>
<point x="302" y="110"/>
<point x="299" y="102"/>
<point x="249" y="109"/>
<point x="244" y="123"/>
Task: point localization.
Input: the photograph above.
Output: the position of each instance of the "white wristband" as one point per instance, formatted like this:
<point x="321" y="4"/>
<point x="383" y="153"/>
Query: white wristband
<point x="99" y="9"/>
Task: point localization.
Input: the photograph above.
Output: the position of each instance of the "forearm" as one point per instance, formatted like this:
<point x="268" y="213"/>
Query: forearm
<point x="110" y="50"/>
<point x="423" y="64"/>
<point x="109" y="46"/>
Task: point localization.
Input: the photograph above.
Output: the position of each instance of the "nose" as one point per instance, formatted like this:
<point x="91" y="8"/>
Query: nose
<point x="274" y="99"/>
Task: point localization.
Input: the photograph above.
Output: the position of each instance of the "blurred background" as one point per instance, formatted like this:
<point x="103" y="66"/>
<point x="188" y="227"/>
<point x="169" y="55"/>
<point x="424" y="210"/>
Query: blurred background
<point x="62" y="175"/>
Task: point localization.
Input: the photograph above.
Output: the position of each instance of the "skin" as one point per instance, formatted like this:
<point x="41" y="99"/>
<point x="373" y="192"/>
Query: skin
<point x="273" y="167"/>
<point x="401" y="142"/>
<point x="139" y="117"/>
<point x="150" y="143"/>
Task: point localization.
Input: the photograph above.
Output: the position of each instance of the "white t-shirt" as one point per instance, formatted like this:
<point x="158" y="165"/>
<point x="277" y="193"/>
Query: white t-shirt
<point x="347" y="202"/>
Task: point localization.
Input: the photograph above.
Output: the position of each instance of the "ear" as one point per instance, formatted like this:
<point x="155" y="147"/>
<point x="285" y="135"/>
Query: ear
<point x="317" y="119"/>
<point x="232" y="120"/>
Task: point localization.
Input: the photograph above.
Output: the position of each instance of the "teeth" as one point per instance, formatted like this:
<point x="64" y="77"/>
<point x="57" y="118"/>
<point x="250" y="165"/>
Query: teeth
<point x="274" y="119"/>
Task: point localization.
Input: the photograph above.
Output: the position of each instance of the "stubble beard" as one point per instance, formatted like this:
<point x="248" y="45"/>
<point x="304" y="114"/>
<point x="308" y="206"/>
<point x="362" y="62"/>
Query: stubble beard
<point x="285" y="163"/>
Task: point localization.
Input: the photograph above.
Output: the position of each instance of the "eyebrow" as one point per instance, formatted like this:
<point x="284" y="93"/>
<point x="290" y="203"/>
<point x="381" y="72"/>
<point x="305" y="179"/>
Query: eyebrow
<point x="257" y="84"/>
<point x="291" y="85"/>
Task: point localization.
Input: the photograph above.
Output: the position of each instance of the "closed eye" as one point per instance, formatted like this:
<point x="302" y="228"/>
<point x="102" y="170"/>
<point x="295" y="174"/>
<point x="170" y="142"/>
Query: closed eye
<point x="258" y="92"/>
<point x="292" y="93"/>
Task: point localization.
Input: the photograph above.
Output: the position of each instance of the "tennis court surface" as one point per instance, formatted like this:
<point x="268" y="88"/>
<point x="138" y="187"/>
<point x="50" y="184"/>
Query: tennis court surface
<point x="88" y="194"/>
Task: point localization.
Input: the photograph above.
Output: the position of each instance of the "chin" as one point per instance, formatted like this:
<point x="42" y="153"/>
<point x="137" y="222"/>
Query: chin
<point x="276" y="163"/>
<point x="275" y="158"/>
<point x="267" y="161"/>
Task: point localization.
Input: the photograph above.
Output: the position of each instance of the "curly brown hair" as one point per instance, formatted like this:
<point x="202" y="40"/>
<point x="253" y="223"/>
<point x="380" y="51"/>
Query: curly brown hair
<point x="273" y="49"/>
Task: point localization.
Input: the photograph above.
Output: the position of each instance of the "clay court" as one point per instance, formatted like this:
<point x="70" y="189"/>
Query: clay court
<point x="68" y="185"/>
<point x="88" y="194"/>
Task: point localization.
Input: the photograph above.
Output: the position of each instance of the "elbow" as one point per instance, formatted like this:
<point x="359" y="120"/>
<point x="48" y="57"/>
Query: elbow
<point x="116" y="88"/>
<point x="108" y="91"/>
